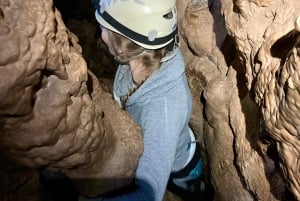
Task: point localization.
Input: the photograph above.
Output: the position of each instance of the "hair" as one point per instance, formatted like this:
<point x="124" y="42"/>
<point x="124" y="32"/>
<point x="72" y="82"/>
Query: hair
<point x="126" y="50"/>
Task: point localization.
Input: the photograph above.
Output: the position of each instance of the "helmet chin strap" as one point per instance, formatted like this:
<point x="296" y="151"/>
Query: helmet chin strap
<point x="172" y="49"/>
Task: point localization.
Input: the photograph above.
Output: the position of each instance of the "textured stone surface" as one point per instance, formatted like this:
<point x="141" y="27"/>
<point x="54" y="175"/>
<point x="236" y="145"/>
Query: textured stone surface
<point x="268" y="44"/>
<point x="53" y="113"/>
<point x="242" y="62"/>
<point x="239" y="127"/>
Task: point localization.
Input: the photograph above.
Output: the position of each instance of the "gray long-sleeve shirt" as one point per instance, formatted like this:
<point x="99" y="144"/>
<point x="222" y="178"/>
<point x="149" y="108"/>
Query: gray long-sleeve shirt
<point x="162" y="107"/>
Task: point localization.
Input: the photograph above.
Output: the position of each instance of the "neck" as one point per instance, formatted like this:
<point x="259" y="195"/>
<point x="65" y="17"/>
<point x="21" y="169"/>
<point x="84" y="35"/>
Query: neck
<point x="138" y="70"/>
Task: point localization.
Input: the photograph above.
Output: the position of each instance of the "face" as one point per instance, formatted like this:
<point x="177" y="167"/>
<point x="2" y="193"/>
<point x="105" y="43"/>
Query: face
<point x="106" y="39"/>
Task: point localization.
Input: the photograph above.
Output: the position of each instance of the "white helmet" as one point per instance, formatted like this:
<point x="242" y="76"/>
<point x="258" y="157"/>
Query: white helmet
<point x="151" y="24"/>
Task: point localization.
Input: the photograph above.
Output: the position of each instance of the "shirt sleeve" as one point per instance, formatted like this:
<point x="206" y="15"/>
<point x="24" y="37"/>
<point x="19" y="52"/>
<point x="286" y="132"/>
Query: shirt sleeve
<point x="161" y="126"/>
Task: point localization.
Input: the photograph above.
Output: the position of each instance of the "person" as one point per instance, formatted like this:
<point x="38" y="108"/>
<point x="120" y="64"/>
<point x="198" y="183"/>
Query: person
<point x="150" y="83"/>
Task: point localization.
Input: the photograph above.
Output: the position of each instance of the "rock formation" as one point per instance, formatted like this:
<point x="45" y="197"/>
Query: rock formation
<point x="54" y="114"/>
<point x="247" y="98"/>
<point x="242" y="62"/>
<point x="267" y="42"/>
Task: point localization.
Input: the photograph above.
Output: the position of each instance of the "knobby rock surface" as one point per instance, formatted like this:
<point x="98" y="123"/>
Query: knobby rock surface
<point x="242" y="63"/>
<point x="54" y="114"/>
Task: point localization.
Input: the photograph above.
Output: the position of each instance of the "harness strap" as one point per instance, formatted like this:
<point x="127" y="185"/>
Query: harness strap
<point x="190" y="166"/>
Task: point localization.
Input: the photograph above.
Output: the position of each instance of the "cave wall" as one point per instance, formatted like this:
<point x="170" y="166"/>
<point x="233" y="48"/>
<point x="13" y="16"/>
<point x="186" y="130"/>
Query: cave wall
<point x="267" y="42"/>
<point x="242" y="60"/>
<point x="56" y="112"/>
<point x="228" y="153"/>
<point x="53" y="113"/>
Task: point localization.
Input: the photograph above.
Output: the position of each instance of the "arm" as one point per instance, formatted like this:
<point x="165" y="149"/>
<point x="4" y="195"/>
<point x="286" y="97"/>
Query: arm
<point x="161" y="127"/>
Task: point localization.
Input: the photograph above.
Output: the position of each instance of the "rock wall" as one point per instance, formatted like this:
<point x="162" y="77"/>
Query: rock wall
<point x="266" y="34"/>
<point x="245" y="90"/>
<point x="242" y="60"/>
<point x="53" y="112"/>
